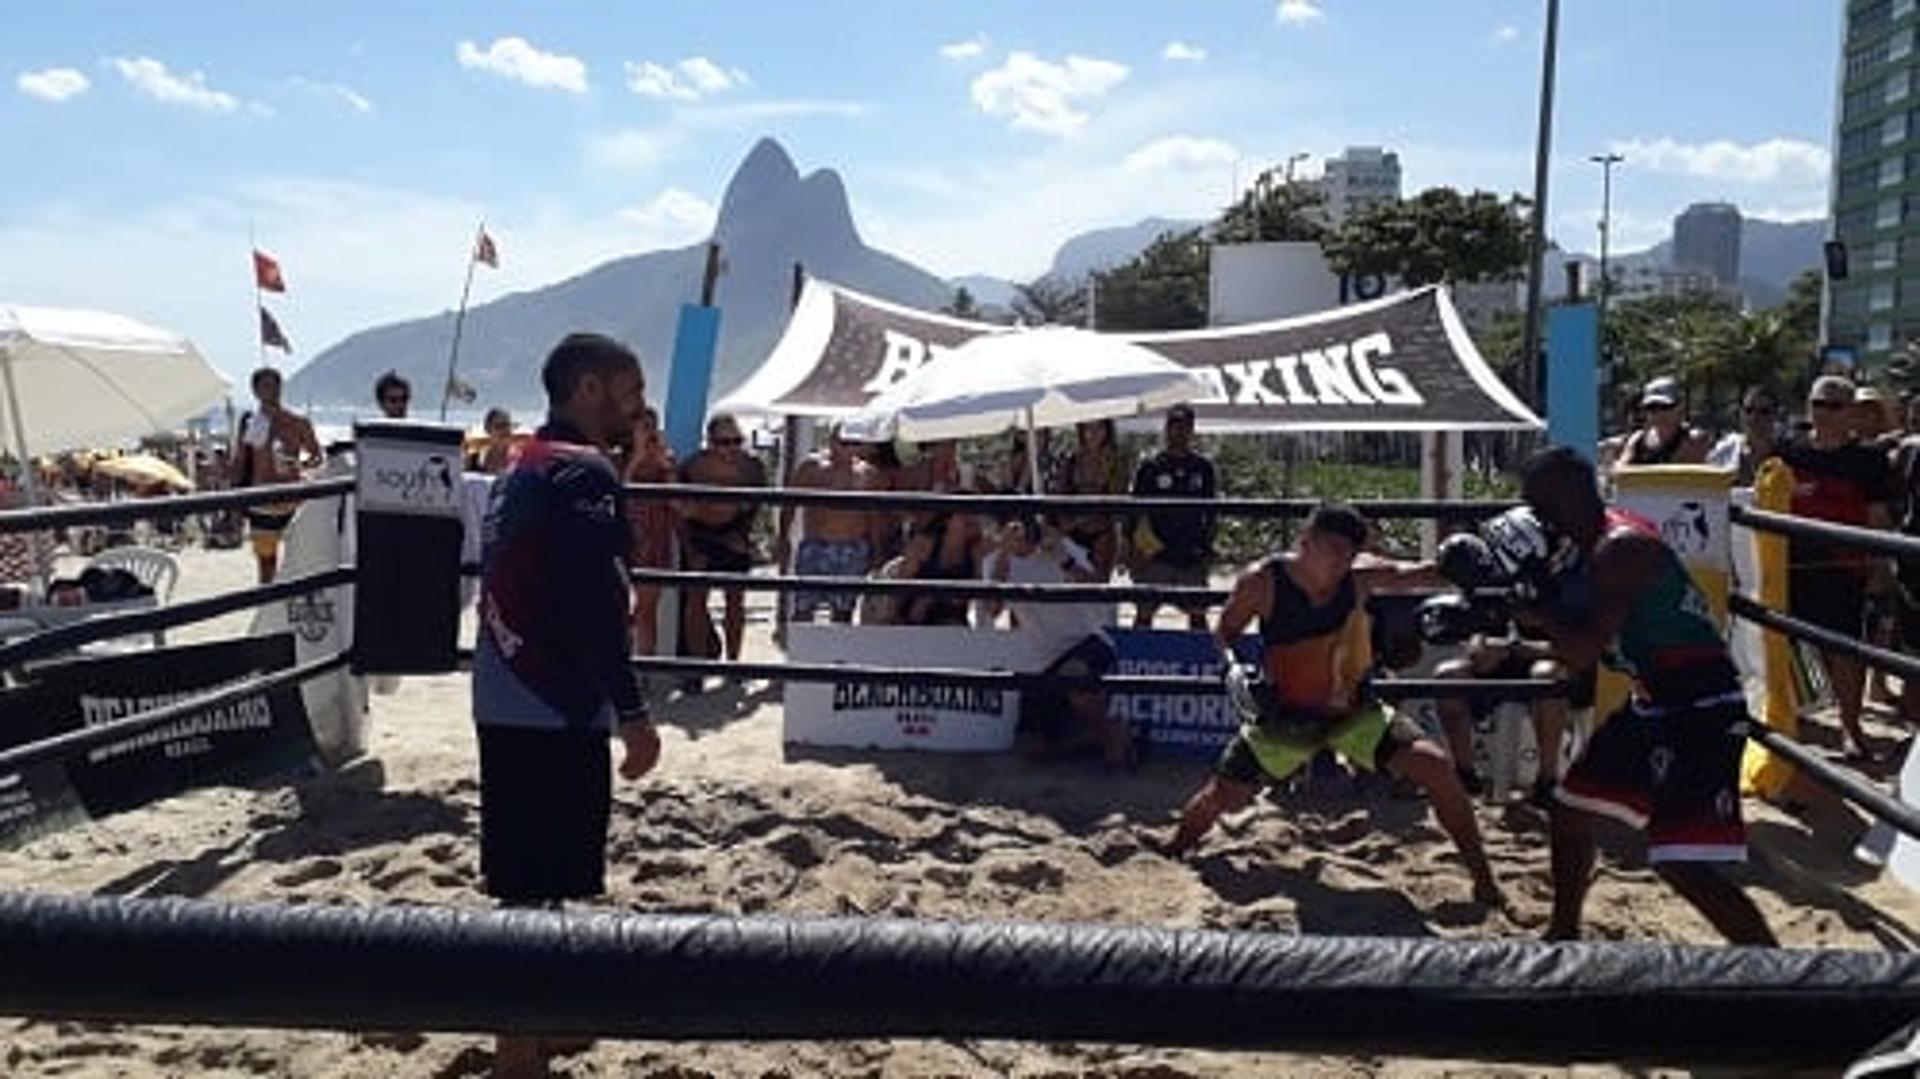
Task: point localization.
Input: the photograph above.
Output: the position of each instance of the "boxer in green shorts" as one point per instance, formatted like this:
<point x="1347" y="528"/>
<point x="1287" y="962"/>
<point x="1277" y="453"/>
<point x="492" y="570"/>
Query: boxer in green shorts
<point x="1311" y="606"/>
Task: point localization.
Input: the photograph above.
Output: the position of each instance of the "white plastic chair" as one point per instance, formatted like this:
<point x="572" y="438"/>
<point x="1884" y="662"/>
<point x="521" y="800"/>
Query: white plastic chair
<point x="157" y="570"/>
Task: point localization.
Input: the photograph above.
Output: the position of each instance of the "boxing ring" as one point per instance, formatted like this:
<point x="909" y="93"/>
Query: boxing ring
<point x="717" y="978"/>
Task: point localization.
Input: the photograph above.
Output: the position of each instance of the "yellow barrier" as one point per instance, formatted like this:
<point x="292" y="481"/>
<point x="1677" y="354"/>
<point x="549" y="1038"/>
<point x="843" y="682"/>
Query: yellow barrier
<point x="1761" y="772"/>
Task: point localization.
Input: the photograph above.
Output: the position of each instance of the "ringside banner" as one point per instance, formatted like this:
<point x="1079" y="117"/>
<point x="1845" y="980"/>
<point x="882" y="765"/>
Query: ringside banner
<point x="250" y="739"/>
<point x="1401" y="363"/>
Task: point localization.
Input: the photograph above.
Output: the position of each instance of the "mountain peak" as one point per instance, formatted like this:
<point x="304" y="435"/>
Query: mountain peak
<point x="767" y="195"/>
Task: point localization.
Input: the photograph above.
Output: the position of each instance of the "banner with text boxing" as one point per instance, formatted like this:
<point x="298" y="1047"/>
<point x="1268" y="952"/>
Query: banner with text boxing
<point x="1401" y="363"/>
<point x="254" y="738"/>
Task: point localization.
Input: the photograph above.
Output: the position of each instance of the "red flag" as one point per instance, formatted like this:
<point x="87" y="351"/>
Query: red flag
<point x="484" y="251"/>
<point x="270" y="334"/>
<point x="266" y="273"/>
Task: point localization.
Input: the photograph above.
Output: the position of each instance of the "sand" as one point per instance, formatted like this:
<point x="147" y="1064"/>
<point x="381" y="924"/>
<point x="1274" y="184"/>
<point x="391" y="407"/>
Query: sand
<point x="731" y="823"/>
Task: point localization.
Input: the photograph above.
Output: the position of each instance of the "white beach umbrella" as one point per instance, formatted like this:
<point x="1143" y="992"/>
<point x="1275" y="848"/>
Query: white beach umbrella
<point x="78" y="379"/>
<point x="1050" y="377"/>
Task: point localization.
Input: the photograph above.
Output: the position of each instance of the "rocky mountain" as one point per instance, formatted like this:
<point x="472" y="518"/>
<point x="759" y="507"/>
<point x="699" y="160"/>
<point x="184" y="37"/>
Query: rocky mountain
<point x="1103" y="249"/>
<point x="770" y="218"/>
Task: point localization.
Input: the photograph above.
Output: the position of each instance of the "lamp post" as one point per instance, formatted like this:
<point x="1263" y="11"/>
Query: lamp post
<point x="1542" y="151"/>
<point x="1606" y="162"/>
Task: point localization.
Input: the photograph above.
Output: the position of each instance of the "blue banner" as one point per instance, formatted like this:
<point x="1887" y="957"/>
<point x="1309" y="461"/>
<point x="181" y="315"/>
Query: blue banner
<point x="1573" y="376"/>
<point x="1185" y="726"/>
<point x="690" y="378"/>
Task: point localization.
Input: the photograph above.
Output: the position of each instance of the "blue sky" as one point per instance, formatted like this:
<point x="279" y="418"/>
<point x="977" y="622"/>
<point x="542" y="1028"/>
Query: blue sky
<point x="361" y="142"/>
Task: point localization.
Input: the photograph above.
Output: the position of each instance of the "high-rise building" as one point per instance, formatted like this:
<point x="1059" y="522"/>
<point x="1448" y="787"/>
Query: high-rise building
<point x="1876" y="207"/>
<point x="1706" y="239"/>
<point x="1358" y="178"/>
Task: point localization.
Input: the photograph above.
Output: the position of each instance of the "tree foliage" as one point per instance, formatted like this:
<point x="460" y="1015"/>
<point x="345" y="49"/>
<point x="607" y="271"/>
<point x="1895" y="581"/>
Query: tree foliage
<point x="1162" y="288"/>
<point x="963" y="305"/>
<point x="1438" y="235"/>
<point x="1717" y="351"/>
<point x="1273" y="209"/>
<point x="1050" y="301"/>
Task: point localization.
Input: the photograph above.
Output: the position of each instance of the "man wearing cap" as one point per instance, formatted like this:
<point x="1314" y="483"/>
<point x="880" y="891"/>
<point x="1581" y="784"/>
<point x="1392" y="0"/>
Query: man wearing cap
<point x="1837" y="478"/>
<point x="1743" y="451"/>
<point x="1666" y="438"/>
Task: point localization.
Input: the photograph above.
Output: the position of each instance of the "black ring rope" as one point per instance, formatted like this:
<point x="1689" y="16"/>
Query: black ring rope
<point x="108" y="627"/>
<point x="1889" y="544"/>
<point x="41" y="518"/>
<point x="1073" y="505"/>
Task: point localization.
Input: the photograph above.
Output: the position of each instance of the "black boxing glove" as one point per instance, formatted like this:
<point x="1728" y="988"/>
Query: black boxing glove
<point x="1466" y="562"/>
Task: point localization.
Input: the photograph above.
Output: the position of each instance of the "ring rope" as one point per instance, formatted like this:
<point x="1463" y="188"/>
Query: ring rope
<point x="1890" y="544"/>
<point x="1884" y="659"/>
<point x="40" y="518"/>
<point x="108" y="627"/>
<point x="1003" y="590"/>
<point x="1090" y="505"/>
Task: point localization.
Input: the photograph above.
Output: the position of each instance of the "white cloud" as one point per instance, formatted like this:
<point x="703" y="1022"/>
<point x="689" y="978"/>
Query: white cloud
<point x="1773" y="161"/>
<point x="346" y="95"/>
<point x="517" y="59"/>
<point x="630" y="150"/>
<point x="1045" y="97"/>
<point x="965" y="50"/>
<point x="1505" y="34"/>
<point x="672" y="217"/>
<point x="1181" y="151"/>
<point x="1299" y="12"/>
<point x="1180" y="50"/>
<point x="54" y="84"/>
<point x="151" y="77"/>
<point x="690" y="80"/>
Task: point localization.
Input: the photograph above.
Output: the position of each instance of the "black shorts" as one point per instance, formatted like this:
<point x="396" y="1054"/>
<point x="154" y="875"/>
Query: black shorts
<point x="263" y="520"/>
<point x="708" y="551"/>
<point x="1831" y="597"/>
<point x="1673" y="774"/>
<point x="1049" y="712"/>
<point x="545" y="798"/>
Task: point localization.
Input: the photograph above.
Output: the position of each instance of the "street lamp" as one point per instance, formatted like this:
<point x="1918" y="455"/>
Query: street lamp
<point x="1606" y="162"/>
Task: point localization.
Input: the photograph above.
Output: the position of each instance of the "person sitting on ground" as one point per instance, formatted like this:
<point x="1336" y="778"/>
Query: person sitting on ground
<point x="833" y="542"/>
<point x="1070" y="638"/>
<point x="1173" y="548"/>
<point x="1307" y="695"/>
<point x="494" y="457"/>
<point x="720" y="534"/>
<point x="1668" y="763"/>
<point x="1758" y="439"/>
<point x="1667" y="438"/>
<point x="1836" y="478"/>
<point x="1095" y="467"/>
<point x="654" y="525"/>
<point x="893" y="609"/>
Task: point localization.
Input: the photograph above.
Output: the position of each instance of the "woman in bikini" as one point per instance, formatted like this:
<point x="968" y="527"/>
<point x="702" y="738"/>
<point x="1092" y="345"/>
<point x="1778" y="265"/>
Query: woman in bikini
<point x="1095" y="467"/>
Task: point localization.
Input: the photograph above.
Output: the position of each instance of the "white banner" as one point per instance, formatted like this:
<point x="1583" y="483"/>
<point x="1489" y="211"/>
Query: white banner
<point x="904" y="714"/>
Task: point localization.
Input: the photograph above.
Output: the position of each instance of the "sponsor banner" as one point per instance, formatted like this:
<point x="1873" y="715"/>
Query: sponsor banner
<point x="37" y="800"/>
<point x="1182" y="726"/>
<point x="253" y="738"/>
<point x="408" y="468"/>
<point x="1404" y="362"/>
<point x="906" y="714"/>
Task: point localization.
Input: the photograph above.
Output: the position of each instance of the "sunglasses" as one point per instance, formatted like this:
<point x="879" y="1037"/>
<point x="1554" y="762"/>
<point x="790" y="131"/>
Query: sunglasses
<point x="1759" y="410"/>
<point x="395" y="399"/>
<point x="1827" y="406"/>
<point x="730" y="442"/>
<point x="1660" y="406"/>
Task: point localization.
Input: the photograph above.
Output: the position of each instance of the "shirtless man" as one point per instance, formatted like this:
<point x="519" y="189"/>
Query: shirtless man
<point x="1311" y="605"/>
<point x="833" y="542"/>
<point x="719" y="535"/>
<point x="272" y="445"/>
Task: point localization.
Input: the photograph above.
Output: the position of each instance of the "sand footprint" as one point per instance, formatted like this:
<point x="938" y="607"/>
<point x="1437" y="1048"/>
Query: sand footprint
<point x="316" y="870"/>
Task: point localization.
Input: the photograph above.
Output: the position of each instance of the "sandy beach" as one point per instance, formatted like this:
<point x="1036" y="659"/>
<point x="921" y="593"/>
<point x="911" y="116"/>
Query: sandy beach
<point x="731" y="823"/>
